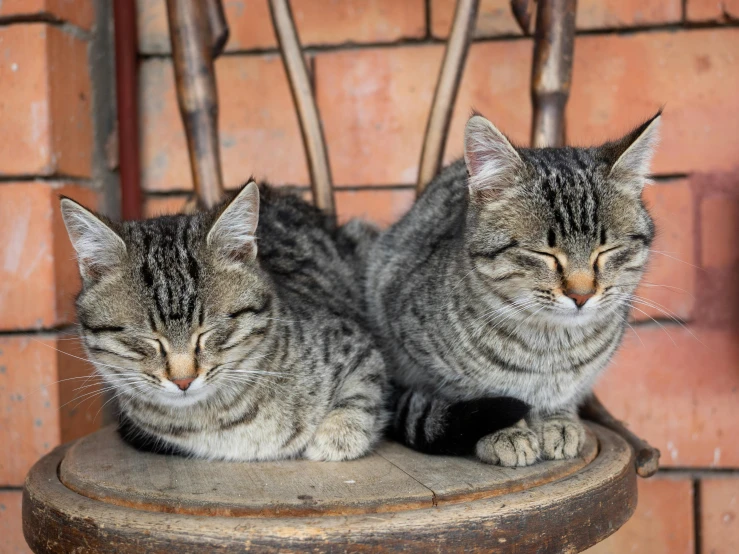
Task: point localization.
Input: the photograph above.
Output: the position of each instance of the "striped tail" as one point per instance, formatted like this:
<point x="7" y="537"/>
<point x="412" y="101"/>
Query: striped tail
<point x="436" y="426"/>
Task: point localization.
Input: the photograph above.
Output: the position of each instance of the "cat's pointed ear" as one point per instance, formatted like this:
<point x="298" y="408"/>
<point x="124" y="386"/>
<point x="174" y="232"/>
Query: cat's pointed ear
<point x="491" y="159"/>
<point x="234" y="232"/>
<point x="632" y="155"/>
<point x="99" y="248"/>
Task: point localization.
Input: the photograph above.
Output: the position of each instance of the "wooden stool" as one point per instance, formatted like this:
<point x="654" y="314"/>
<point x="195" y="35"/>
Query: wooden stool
<point x="100" y="495"/>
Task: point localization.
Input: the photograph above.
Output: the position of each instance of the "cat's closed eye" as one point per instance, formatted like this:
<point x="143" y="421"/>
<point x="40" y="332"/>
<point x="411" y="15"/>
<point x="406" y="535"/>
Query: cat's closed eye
<point x="157" y="345"/>
<point x="552" y="260"/>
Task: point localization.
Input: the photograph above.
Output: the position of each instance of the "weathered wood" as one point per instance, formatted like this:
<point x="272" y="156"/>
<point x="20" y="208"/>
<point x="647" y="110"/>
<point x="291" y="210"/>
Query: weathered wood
<point x="566" y="515"/>
<point x="103" y="467"/>
<point x="127" y="90"/>
<point x="551" y="74"/>
<point x="646" y="457"/>
<point x="192" y="54"/>
<point x="305" y="104"/>
<point x="455" y="479"/>
<point x="522" y="10"/>
<point x="445" y="94"/>
<point x="218" y="25"/>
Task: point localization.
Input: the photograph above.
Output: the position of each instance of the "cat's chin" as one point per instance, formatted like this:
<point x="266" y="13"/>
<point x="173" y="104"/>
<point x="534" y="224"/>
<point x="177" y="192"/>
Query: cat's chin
<point x="572" y="318"/>
<point x="180" y="399"/>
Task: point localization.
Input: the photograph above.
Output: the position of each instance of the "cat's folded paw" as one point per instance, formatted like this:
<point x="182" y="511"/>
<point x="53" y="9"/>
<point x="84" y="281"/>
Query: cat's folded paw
<point x="343" y="435"/>
<point x="560" y="438"/>
<point x="510" y="447"/>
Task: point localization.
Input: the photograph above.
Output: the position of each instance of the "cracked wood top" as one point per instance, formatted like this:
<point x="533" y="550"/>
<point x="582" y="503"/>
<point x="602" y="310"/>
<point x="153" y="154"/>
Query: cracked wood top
<point x="393" y="478"/>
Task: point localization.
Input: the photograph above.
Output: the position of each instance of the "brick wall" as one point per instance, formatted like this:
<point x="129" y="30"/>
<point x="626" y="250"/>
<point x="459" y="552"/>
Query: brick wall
<point x="54" y="113"/>
<point x="374" y="66"/>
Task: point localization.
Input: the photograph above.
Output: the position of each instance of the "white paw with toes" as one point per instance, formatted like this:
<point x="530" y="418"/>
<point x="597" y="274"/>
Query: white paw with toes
<point x="339" y="437"/>
<point x="560" y="438"/>
<point x="509" y="447"/>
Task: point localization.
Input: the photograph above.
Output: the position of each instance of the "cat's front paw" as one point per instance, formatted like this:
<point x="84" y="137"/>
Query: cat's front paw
<point x="510" y="447"/>
<point x="343" y="435"/>
<point x="560" y="438"/>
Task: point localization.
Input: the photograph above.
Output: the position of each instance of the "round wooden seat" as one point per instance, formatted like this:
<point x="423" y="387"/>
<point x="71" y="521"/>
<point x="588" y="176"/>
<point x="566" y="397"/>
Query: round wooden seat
<point x="99" y="495"/>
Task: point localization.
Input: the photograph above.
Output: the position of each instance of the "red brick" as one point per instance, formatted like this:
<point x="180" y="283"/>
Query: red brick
<point x="618" y="81"/>
<point x="44" y="102"/>
<point x="599" y="14"/>
<point x="495" y="17"/>
<point x="78" y="12"/>
<point x="71" y="104"/>
<point x="712" y="10"/>
<point x="165" y="205"/>
<point x="259" y="130"/>
<point x="374" y="105"/>
<point x="669" y="284"/>
<point x="499" y="90"/>
<point x="33" y="415"/>
<point x="318" y="22"/>
<point x="679" y="391"/>
<point x="662" y="523"/>
<point x="38" y="274"/>
<point x="719" y="216"/>
<point x="383" y="207"/>
<point x="11" y="529"/>
<point x="719" y="502"/>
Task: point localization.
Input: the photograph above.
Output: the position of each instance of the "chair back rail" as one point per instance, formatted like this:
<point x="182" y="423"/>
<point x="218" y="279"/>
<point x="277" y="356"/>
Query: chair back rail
<point x="305" y="104"/>
<point x="551" y="74"/>
<point x="445" y="95"/>
<point x="192" y="53"/>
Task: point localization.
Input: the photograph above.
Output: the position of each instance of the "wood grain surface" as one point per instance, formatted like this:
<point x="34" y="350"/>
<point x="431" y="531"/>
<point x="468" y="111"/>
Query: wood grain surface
<point x="567" y="514"/>
<point x="101" y="466"/>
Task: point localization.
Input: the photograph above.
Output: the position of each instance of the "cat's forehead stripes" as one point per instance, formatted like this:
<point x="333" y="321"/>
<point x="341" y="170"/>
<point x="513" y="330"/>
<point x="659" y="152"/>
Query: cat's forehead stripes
<point x="566" y="179"/>
<point x="168" y="266"/>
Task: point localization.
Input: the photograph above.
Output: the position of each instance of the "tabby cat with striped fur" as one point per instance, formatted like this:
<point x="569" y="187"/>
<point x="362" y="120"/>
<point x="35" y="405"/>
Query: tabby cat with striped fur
<point x="230" y="334"/>
<point x="511" y="277"/>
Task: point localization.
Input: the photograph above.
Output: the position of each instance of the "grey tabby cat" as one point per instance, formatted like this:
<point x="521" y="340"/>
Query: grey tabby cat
<point x="511" y="277"/>
<point x="232" y="334"/>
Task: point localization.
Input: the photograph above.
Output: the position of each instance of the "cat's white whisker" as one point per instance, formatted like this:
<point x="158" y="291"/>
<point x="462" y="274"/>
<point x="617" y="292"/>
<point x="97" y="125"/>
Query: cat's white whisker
<point x="667" y="255"/>
<point x="80" y="358"/>
<point x="630" y="299"/>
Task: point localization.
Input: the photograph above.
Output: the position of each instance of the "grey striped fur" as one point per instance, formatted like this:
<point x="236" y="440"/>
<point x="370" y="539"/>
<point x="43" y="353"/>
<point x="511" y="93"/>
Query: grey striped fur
<point x="466" y="292"/>
<point x="265" y="315"/>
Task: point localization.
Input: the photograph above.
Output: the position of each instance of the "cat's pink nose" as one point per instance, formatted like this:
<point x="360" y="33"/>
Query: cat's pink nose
<point x="580" y="299"/>
<point x="184" y="384"/>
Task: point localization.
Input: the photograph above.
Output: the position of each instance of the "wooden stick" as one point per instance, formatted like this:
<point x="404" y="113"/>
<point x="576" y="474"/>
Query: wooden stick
<point x="219" y="32"/>
<point x="552" y="70"/>
<point x="192" y="52"/>
<point x="445" y="94"/>
<point x="305" y="104"/>
<point x="126" y="81"/>
<point x="646" y="456"/>
<point x="522" y="10"/>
